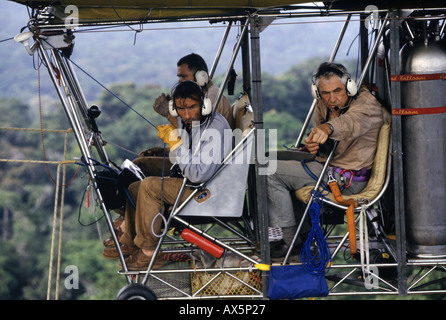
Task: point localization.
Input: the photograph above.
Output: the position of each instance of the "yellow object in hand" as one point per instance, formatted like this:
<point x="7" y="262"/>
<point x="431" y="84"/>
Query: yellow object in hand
<point x="167" y="134"/>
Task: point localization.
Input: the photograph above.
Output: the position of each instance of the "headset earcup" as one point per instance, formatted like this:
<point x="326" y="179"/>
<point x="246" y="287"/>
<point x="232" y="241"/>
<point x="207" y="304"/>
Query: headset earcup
<point x="172" y="110"/>
<point x="202" y="78"/>
<point x="206" y="109"/>
<point x="315" y="91"/>
<point x="352" y="88"/>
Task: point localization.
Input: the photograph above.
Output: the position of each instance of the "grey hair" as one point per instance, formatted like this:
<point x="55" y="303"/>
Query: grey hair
<point x="329" y="69"/>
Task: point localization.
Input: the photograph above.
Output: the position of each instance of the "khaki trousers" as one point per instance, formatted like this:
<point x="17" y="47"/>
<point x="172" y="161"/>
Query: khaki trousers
<point x="143" y="223"/>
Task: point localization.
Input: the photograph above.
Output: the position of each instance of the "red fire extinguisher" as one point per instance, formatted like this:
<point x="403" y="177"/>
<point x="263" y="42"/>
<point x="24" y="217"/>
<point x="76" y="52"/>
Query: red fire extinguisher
<point x="202" y="243"/>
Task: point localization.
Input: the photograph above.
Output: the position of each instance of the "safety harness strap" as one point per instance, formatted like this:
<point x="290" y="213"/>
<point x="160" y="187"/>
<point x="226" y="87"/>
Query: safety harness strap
<point x="352" y="203"/>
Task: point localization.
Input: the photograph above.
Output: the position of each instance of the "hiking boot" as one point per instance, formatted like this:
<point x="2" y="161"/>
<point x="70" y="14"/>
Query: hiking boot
<point x="112" y="252"/>
<point x="117" y="223"/>
<point x="108" y="243"/>
<point x="278" y="250"/>
<point x="140" y="261"/>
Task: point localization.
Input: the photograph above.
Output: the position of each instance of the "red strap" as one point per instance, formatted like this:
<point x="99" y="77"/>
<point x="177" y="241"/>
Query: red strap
<point x="417" y="77"/>
<point x="417" y="111"/>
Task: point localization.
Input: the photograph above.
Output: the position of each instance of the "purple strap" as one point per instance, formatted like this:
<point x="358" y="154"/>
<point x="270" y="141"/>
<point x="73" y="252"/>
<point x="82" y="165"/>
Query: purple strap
<point x="358" y="175"/>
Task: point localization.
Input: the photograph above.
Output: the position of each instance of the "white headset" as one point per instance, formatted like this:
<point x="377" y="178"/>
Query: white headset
<point x="350" y="84"/>
<point x="206" y="105"/>
<point x="202" y="78"/>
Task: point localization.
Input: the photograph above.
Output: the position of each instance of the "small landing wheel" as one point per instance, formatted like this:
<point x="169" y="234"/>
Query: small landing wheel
<point x="136" y="291"/>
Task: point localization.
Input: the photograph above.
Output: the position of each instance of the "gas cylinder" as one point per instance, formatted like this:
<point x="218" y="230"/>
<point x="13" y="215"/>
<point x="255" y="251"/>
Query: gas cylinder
<point x="202" y="243"/>
<point x="424" y="148"/>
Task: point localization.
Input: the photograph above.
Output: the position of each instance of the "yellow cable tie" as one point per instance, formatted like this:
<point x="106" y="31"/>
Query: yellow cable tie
<point x="262" y="266"/>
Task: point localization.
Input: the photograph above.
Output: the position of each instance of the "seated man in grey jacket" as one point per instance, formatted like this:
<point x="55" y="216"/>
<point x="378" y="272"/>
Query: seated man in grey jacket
<point x="190" y="144"/>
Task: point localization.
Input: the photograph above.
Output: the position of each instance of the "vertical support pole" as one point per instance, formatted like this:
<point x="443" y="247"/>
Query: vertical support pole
<point x="261" y="199"/>
<point x="398" y="156"/>
<point x="364" y="46"/>
<point x="81" y="102"/>
<point x="246" y="77"/>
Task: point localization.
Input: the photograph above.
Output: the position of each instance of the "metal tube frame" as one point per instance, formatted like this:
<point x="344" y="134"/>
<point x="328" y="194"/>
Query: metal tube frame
<point x="397" y="152"/>
<point x="228" y="69"/>
<point x="261" y="205"/>
<point x="220" y="50"/>
<point x="71" y="99"/>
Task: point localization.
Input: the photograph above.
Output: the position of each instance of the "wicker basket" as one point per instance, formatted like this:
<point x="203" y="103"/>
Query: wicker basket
<point x="226" y="283"/>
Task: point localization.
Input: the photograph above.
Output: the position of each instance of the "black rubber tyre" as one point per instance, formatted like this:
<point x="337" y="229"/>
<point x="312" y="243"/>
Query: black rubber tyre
<point x="136" y="291"/>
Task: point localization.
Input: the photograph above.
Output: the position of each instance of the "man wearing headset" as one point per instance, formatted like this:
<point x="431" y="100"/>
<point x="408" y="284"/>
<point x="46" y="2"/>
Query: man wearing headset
<point x="193" y="67"/>
<point x="352" y="117"/>
<point x="197" y="147"/>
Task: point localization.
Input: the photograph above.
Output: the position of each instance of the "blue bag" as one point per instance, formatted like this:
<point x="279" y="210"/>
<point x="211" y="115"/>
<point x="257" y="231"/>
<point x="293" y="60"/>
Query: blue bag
<point x="294" y="282"/>
<point x="308" y="279"/>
